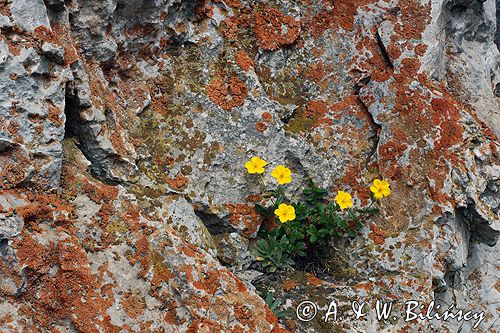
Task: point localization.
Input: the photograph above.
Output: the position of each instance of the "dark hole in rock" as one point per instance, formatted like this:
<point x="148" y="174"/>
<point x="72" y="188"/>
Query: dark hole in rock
<point x="216" y="225"/>
<point x="480" y="229"/>
<point x="4" y="243"/>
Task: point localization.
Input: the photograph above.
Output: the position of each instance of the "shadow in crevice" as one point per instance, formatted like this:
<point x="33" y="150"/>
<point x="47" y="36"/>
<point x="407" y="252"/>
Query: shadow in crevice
<point x="480" y="229"/>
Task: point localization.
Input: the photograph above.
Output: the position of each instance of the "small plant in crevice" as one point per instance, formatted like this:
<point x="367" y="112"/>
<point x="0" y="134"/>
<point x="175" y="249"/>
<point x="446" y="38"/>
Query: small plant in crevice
<point x="300" y="230"/>
<point x="275" y="305"/>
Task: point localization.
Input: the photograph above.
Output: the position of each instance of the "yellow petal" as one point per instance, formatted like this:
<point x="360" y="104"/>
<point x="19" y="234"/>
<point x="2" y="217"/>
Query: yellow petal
<point x="284" y="180"/>
<point x="379" y="195"/>
<point x="377" y="182"/>
<point x="374" y="189"/>
<point x="386" y="192"/>
<point x="276" y="171"/>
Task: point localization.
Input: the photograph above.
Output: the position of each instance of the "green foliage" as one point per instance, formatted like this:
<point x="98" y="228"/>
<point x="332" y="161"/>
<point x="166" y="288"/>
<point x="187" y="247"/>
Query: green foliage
<point x="274" y="304"/>
<point x="318" y="221"/>
<point x="273" y="254"/>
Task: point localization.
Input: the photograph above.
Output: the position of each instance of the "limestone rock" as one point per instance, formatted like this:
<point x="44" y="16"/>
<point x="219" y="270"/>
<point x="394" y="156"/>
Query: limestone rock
<point x="125" y="126"/>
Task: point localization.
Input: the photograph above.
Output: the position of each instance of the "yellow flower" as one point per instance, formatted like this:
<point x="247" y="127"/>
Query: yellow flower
<point x="255" y="165"/>
<point x="380" y="188"/>
<point x="282" y="174"/>
<point x="285" y="213"/>
<point x="343" y="199"/>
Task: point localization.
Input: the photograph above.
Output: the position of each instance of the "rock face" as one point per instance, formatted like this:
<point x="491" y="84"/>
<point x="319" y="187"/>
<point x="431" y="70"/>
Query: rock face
<point x="125" y="125"/>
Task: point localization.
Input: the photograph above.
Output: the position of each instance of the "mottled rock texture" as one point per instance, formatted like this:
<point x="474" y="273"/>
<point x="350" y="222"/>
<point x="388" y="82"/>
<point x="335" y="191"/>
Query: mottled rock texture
<point x="125" y="125"/>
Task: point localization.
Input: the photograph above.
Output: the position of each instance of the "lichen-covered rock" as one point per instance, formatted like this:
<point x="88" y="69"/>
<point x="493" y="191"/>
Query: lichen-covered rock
<point x="233" y="250"/>
<point x="124" y="133"/>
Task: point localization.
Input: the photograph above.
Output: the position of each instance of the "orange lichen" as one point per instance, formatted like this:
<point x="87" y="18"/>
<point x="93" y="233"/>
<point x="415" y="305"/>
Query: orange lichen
<point x="99" y="192"/>
<point x="315" y="72"/>
<point x="414" y="17"/>
<point x="13" y="127"/>
<point x="227" y="95"/>
<point x="133" y="304"/>
<point x="420" y="49"/>
<point x="311" y="279"/>
<point x="203" y="325"/>
<point x="241" y="287"/>
<point x="274" y="29"/>
<point x="35" y="213"/>
<point x="340" y="15"/>
<point x="446" y="116"/>
<point x="142" y="254"/>
<point x="377" y="235"/>
<point x="394" y="51"/>
<point x="210" y="282"/>
<point x="54" y="115"/>
<point x="316" y="109"/>
<point x="289" y="284"/>
<point x="410" y="67"/>
<point x="178" y="182"/>
<point x="190" y="251"/>
<point x="253" y="198"/>
<point x="260" y="126"/>
<point x="244" y="217"/>
<point x="267" y="117"/>
<point x="243" y="60"/>
<point x="231" y="25"/>
<point x="58" y="34"/>
<point x="33" y="254"/>
<point x="367" y="286"/>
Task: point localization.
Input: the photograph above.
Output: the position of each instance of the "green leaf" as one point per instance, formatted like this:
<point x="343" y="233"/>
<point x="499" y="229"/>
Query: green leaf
<point x="313" y="238"/>
<point x="283" y="314"/>
<point x="275" y="304"/>
<point x="368" y="211"/>
<point x="312" y="230"/>
<point x="352" y="215"/>
<point x="359" y="225"/>
<point x="263" y="210"/>
<point x="300" y="246"/>
<point x="269" y="298"/>
<point x="322" y="232"/>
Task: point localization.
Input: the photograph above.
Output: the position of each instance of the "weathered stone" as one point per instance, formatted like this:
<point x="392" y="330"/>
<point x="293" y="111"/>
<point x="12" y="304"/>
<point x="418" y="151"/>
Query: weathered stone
<point x="124" y="201"/>
<point x="233" y="250"/>
<point x="53" y="52"/>
<point x="29" y="15"/>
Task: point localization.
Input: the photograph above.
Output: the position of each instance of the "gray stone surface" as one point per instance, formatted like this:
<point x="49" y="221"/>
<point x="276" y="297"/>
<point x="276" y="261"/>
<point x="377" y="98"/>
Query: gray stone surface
<point x="125" y="126"/>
